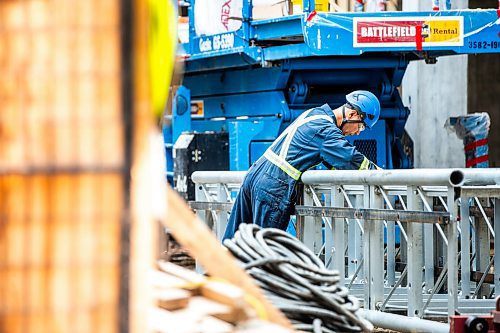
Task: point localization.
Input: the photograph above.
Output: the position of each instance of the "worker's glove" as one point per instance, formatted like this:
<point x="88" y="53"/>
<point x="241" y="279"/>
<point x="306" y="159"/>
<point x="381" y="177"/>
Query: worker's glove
<point x="373" y="166"/>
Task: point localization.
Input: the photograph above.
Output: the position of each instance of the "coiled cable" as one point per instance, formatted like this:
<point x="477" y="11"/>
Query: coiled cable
<point x="296" y="281"/>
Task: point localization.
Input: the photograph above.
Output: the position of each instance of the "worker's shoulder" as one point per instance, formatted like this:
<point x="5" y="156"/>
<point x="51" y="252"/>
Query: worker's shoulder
<point x="328" y="121"/>
<point x="323" y="110"/>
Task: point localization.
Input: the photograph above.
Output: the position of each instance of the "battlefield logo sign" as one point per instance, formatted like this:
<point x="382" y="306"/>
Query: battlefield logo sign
<point x="408" y="31"/>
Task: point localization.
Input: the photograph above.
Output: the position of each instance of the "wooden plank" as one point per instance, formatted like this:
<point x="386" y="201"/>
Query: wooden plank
<point x="199" y="241"/>
<point x="227" y="313"/>
<point x="167" y="322"/>
<point x="161" y="280"/>
<point x="186" y="275"/>
<point x="258" y="326"/>
<point x="172" y="299"/>
<point x="223" y="293"/>
<point x="200" y="307"/>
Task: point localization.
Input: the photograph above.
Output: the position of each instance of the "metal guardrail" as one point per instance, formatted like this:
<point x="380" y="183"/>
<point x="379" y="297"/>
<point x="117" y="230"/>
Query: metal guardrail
<point x="445" y="220"/>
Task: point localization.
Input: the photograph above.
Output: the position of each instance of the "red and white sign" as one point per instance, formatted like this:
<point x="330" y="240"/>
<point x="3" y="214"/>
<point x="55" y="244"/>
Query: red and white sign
<point x="408" y="31"/>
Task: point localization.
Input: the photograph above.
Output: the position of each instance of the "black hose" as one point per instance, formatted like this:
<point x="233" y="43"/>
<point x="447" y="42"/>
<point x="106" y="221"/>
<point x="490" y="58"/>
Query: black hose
<point x="296" y="281"/>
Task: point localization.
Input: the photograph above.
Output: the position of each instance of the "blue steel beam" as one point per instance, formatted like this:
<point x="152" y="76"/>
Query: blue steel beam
<point x="444" y="32"/>
<point x="256" y="104"/>
<point x="230" y="82"/>
<point x="225" y="61"/>
<point x="278" y="28"/>
<point x="368" y="62"/>
<point x="336" y="34"/>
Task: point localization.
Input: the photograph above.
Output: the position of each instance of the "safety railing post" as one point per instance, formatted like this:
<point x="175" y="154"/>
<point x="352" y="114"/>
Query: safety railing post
<point x="310" y="232"/>
<point x="330" y="261"/>
<point x="415" y="256"/>
<point x="496" y="213"/>
<point x="428" y="247"/>
<point x="366" y="253"/>
<point x="473" y="239"/>
<point x="452" y="253"/>
<point x="203" y="215"/>
<point x="403" y="253"/>
<point x="199" y="195"/>
<point x="328" y="231"/>
<point x="338" y="226"/>
<point x="391" y="249"/>
<point x="482" y="249"/>
<point x="355" y="236"/>
<point x="465" y="247"/>
<point x="221" y="223"/>
<point x="374" y="251"/>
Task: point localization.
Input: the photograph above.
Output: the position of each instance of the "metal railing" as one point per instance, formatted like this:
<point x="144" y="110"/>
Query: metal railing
<point x="417" y="241"/>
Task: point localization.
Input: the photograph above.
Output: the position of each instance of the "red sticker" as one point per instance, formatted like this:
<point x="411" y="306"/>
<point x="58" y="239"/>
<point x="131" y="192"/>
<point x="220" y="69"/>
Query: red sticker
<point x="310" y="17"/>
<point x="418" y="38"/>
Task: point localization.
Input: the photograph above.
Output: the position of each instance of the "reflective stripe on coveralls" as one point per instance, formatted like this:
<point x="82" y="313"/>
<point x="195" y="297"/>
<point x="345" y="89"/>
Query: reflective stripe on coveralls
<point x="280" y="160"/>
<point x="365" y="165"/>
<point x="282" y="164"/>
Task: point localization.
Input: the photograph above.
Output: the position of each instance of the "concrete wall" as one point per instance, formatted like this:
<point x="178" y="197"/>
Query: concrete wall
<point x="434" y="93"/>
<point x="484" y="89"/>
<point x="484" y="96"/>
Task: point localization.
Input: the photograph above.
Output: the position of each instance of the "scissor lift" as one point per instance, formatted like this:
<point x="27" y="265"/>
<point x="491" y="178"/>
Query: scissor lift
<point x="245" y="87"/>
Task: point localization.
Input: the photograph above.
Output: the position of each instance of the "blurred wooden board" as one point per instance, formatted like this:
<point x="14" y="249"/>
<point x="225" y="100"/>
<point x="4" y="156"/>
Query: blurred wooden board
<point x="210" y="306"/>
<point x="223" y="293"/>
<point x="172" y="299"/>
<point x="195" y="237"/>
<point x="61" y="180"/>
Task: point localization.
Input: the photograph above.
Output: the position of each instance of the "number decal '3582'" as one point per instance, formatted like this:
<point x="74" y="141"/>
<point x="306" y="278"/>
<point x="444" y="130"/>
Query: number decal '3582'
<point x="484" y="44"/>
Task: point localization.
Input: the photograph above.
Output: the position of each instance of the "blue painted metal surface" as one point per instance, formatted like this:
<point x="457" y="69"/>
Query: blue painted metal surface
<point x="449" y="32"/>
<point x="254" y="81"/>
<point x="181" y="112"/>
<point x="248" y="139"/>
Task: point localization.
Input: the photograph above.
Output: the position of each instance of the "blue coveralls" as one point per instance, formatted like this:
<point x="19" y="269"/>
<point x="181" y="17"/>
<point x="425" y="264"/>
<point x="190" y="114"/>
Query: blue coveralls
<point x="268" y="192"/>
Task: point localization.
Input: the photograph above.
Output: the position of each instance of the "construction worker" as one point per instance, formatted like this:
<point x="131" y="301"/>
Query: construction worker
<point x="268" y="192"/>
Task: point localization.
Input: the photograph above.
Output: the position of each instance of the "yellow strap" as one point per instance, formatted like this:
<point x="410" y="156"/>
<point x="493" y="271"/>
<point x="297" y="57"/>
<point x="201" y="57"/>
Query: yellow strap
<point x="365" y="164"/>
<point x="282" y="164"/>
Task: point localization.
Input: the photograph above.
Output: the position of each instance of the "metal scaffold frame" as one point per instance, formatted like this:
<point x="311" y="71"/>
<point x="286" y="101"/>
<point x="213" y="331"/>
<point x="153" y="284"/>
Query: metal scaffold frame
<point x="396" y="236"/>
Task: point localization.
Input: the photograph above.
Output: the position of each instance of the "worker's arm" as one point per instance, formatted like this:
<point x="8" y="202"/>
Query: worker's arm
<point x="339" y="153"/>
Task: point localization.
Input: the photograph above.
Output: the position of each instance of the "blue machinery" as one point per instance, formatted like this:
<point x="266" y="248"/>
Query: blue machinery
<point x="253" y="82"/>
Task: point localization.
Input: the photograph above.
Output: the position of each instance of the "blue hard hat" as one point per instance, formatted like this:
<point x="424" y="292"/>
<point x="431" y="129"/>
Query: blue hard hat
<point x="366" y="104"/>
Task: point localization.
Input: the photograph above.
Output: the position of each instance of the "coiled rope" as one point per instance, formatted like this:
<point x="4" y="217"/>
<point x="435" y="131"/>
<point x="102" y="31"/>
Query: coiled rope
<point x="296" y="281"/>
